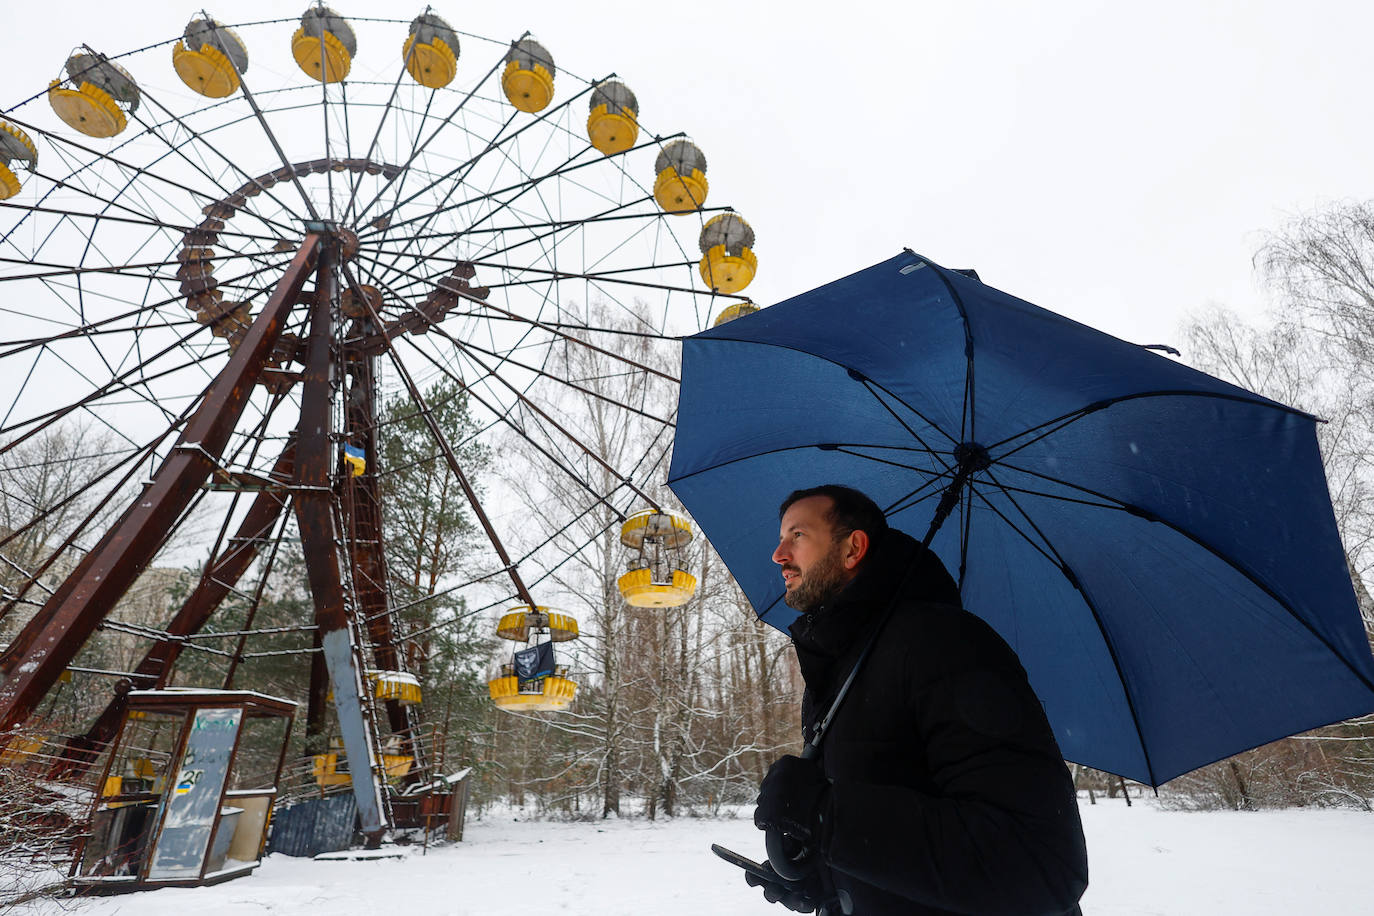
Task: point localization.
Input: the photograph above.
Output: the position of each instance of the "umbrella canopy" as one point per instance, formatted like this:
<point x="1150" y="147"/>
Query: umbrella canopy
<point x="1158" y="546"/>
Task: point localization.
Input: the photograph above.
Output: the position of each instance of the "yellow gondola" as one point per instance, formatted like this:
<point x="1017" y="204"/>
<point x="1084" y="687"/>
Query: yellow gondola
<point x="731" y="312"/>
<point x="656" y="577"/>
<point x="324" y="45"/>
<point x="547" y="694"/>
<point x="728" y="263"/>
<point x="680" y="184"/>
<point x="210" y="58"/>
<point x="528" y="77"/>
<point x="639" y="588"/>
<point x="612" y="126"/>
<point x="94" y="95"/>
<point x="401" y="686"/>
<point x="668" y="528"/>
<point x="14" y="145"/>
<point x="517" y="623"/>
<point x="533" y="681"/>
<point x="331" y="769"/>
<point x="431" y="51"/>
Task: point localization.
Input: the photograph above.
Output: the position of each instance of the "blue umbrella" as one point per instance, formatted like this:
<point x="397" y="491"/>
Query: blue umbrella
<point x="1157" y="545"/>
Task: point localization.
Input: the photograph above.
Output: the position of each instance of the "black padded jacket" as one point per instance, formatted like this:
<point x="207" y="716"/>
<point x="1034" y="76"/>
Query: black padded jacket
<point x="948" y="792"/>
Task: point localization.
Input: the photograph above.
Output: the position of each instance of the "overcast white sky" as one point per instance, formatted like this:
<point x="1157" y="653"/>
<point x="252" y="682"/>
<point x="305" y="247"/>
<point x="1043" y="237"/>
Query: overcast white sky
<point x="1115" y="162"/>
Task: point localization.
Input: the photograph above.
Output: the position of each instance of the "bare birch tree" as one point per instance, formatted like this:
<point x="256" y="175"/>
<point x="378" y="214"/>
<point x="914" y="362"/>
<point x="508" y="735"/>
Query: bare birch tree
<point x="1316" y="354"/>
<point x="663" y="713"/>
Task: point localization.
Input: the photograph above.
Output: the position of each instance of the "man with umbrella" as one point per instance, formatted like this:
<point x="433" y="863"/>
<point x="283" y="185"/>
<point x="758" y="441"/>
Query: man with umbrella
<point x="1157" y="545"/>
<point x="939" y="787"/>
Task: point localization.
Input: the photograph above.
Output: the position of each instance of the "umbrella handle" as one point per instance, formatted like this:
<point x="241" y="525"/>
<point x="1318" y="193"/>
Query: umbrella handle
<point x="789" y="858"/>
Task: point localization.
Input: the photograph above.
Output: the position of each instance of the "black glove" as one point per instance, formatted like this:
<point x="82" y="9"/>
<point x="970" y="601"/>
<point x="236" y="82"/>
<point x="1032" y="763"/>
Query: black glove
<point x="792" y="798"/>
<point x="798" y="896"/>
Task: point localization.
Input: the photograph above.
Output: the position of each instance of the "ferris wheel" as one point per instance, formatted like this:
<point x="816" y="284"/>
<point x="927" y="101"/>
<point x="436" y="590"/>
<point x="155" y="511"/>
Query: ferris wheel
<point x="223" y="252"/>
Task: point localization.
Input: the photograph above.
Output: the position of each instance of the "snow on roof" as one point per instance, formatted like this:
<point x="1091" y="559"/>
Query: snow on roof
<point x="192" y="692"/>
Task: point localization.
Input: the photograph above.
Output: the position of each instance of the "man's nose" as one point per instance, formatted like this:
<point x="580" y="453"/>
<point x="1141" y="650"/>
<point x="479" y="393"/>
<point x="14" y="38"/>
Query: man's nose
<point x="781" y="555"/>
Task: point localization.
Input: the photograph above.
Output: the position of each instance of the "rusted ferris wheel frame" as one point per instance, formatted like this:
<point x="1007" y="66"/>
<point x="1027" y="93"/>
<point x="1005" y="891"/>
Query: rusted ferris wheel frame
<point x="339" y="515"/>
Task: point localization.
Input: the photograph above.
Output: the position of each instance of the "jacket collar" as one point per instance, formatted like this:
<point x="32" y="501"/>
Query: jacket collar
<point x="830" y="631"/>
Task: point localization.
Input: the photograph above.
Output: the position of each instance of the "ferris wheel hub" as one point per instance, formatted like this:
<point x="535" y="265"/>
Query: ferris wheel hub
<point x="348" y="243"/>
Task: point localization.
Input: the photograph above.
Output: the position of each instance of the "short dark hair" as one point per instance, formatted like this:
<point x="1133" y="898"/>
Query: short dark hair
<point x="850" y="510"/>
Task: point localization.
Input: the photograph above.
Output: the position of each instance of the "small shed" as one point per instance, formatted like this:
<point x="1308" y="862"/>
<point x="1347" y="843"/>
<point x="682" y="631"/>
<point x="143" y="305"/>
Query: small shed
<point x="187" y="790"/>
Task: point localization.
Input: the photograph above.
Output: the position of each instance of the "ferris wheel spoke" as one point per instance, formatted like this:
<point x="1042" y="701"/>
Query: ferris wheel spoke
<point x="534" y="322"/>
<point x="609" y="215"/>
<point x="85" y="406"/>
<point x="203" y="143"/>
<point x="458" y="181"/>
<point x="120" y="383"/>
<point x="131" y="462"/>
<point x="356" y="180"/>
<point x="201" y="167"/>
<point x="324" y="122"/>
<point x="547" y="274"/>
<point x="503" y="414"/>
<point x="593" y="280"/>
<point x="544" y="272"/>
<point x="441" y="439"/>
<point x="277" y="147"/>
<point x="455" y="467"/>
<point x="421" y="146"/>
<point x="139" y="310"/>
<point x="572" y="326"/>
<point x="141" y="220"/>
<point x="547" y="418"/>
<point x="431" y="324"/>
<point x="63" y="271"/>
<point x="432" y="214"/>
<point x="468" y="345"/>
<point x="136" y="456"/>
<point x="348" y="214"/>
<point x="455" y="180"/>
<point x="565" y="169"/>
<point x="131" y="466"/>
<point x="62" y="144"/>
<point x="264" y="574"/>
<point x="552" y="229"/>
<point x="135" y="213"/>
<point x="92" y="329"/>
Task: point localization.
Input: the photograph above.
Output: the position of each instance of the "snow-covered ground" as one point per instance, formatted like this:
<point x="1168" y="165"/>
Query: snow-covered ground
<point x="1144" y="862"/>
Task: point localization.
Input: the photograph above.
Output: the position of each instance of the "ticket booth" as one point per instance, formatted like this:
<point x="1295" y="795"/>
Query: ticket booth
<point x="187" y="790"/>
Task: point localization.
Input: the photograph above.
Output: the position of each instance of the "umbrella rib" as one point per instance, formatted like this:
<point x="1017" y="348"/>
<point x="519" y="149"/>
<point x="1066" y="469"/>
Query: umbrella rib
<point x="1147" y="515"/>
<point x="916" y="496"/>
<point x="1077" y="583"/>
<point x="967" y="412"/>
<point x="1115" y="507"/>
<point x="826" y="446"/>
<point x="1046" y="550"/>
<point x="1074" y="416"/>
<point x="870" y="385"/>
<point x="849" y="450"/>
<point x="855" y="374"/>
<point x="967" y="512"/>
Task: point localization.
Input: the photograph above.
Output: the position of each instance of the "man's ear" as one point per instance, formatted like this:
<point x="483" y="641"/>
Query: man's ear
<point x="858" y="544"/>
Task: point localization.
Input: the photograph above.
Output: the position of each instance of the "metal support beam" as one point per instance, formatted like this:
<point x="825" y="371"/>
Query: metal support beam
<point x="363" y="525"/>
<point x="44" y="648"/>
<point x="216" y="582"/>
<point x="314" y="512"/>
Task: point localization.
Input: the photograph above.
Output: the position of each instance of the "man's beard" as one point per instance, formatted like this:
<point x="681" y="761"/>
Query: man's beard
<point x="821" y="583"/>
